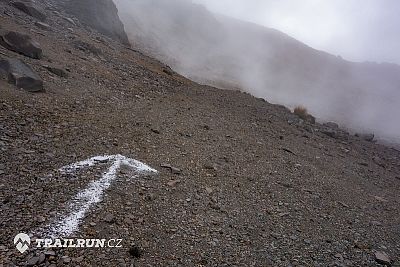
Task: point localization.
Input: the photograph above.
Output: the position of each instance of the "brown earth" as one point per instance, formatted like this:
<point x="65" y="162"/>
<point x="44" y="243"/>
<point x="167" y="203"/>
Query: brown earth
<point x="258" y="186"/>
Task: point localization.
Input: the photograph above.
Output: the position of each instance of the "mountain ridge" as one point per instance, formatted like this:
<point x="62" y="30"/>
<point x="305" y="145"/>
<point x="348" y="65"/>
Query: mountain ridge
<point x="226" y="52"/>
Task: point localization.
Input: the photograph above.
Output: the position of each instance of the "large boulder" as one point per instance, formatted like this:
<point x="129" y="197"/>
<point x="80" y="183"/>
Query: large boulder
<point x="21" y="75"/>
<point x="31" y="9"/>
<point x="101" y="15"/>
<point x="21" y="43"/>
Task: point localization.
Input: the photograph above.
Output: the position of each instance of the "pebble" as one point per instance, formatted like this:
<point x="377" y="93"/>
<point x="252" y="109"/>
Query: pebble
<point x="175" y="170"/>
<point x="79" y="259"/>
<point x="109" y="218"/>
<point x="41" y="219"/>
<point x="42" y="258"/>
<point x="173" y="183"/>
<point x="32" y="261"/>
<point x="150" y="197"/>
<point x="66" y="259"/>
<point x="49" y="253"/>
<point x="156" y="131"/>
<point x="172" y="169"/>
<point x="127" y="221"/>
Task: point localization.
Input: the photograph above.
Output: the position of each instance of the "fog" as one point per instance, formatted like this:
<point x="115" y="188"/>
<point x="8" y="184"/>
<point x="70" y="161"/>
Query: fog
<point x="365" y="30"/>
<point x="219" y="50"/>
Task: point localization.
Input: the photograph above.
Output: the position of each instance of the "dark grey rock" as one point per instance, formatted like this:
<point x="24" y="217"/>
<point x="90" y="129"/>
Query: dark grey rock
<point x="156" y="131"/>
<point x="66" y="259"/>
<point x="101" y="15"/>
<point x="366" y="137"/>
<point x="308" y="128"/>
<point x="168" y="71"/>
<point x="32" y="261"/>
<point x="42" y="258"/>
<point x="310" y="118"/>
<point x="330" y="132"/>
<point x="31" y="9"/>
<point x="71" y="21"/>
<point x="21" y="75"/>
<point x="57" y="71"/>
<point x="331" y="125"/>
<point x="109" y="218"/>
<point x="21" y="43"/>
<point x="176" y="170"/>
<point x="172" y="169"/>
<point x="135" y="251"/>
<point x="49" y="253"/>
<point x="86" y="47"/>
<point x="379" y="161"/>
<point x="43" y="26"/>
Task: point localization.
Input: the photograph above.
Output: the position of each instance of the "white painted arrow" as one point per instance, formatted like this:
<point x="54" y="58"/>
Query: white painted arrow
<point x="68" y="222"/>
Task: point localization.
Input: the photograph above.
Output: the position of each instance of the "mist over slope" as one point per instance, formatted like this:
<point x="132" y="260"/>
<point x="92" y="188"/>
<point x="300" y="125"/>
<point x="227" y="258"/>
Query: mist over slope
<point x="229" y="53"/>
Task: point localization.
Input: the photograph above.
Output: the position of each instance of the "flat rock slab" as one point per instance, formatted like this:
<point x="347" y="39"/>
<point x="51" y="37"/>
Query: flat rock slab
<point x="30" y="9"/>
<point x="21" y="75"/>
<point x="43" y="26"/>
<point x="382" y="258"/>
<point x="57" y="71"/>
<point x="21" y="43"/>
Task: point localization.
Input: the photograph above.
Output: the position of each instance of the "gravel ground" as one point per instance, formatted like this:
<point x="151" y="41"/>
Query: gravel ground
<point x="256" y="185"/>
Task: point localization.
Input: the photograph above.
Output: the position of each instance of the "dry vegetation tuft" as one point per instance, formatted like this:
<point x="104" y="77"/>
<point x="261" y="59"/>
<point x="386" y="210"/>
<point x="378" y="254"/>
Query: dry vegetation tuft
<point x="301" y="112"/>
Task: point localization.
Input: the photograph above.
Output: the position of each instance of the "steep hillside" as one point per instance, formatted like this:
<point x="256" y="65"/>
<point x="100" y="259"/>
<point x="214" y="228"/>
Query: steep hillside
<point x="100" y="15"/>
<point x="222" y="51"/>
<point x="240" y="181"/>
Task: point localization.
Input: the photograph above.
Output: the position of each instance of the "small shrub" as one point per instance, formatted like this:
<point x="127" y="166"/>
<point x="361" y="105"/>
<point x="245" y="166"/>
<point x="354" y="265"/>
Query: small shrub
<point x="301" y="112"/>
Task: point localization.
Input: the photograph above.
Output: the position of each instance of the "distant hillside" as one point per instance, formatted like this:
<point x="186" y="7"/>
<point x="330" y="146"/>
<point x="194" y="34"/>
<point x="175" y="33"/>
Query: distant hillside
<point x="229" y="53"/>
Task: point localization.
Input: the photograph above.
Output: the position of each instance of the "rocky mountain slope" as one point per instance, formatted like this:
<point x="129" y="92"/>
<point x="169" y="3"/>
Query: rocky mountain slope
<point x="241" y="182"/>
<point x="99" y="14"/>
<point x="228" y="53"/>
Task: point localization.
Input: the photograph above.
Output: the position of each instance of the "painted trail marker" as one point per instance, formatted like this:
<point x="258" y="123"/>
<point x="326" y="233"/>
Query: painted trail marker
<point x="68" y="222"/>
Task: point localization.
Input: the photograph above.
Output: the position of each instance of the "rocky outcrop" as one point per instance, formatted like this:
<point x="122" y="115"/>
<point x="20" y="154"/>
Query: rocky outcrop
<point x="21" y="75"/>
<point x="101" y="15"/>
<point x="31" y="9"/>
<point x="21" y="43"/>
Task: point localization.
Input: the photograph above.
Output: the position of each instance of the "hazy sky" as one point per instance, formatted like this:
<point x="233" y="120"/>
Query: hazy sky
<point x="358" y="30"/>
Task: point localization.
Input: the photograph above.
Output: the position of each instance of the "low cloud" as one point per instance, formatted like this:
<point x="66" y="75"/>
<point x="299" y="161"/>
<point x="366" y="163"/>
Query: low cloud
<point x="356" y="30"/>
<point x="229" y="53"/>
